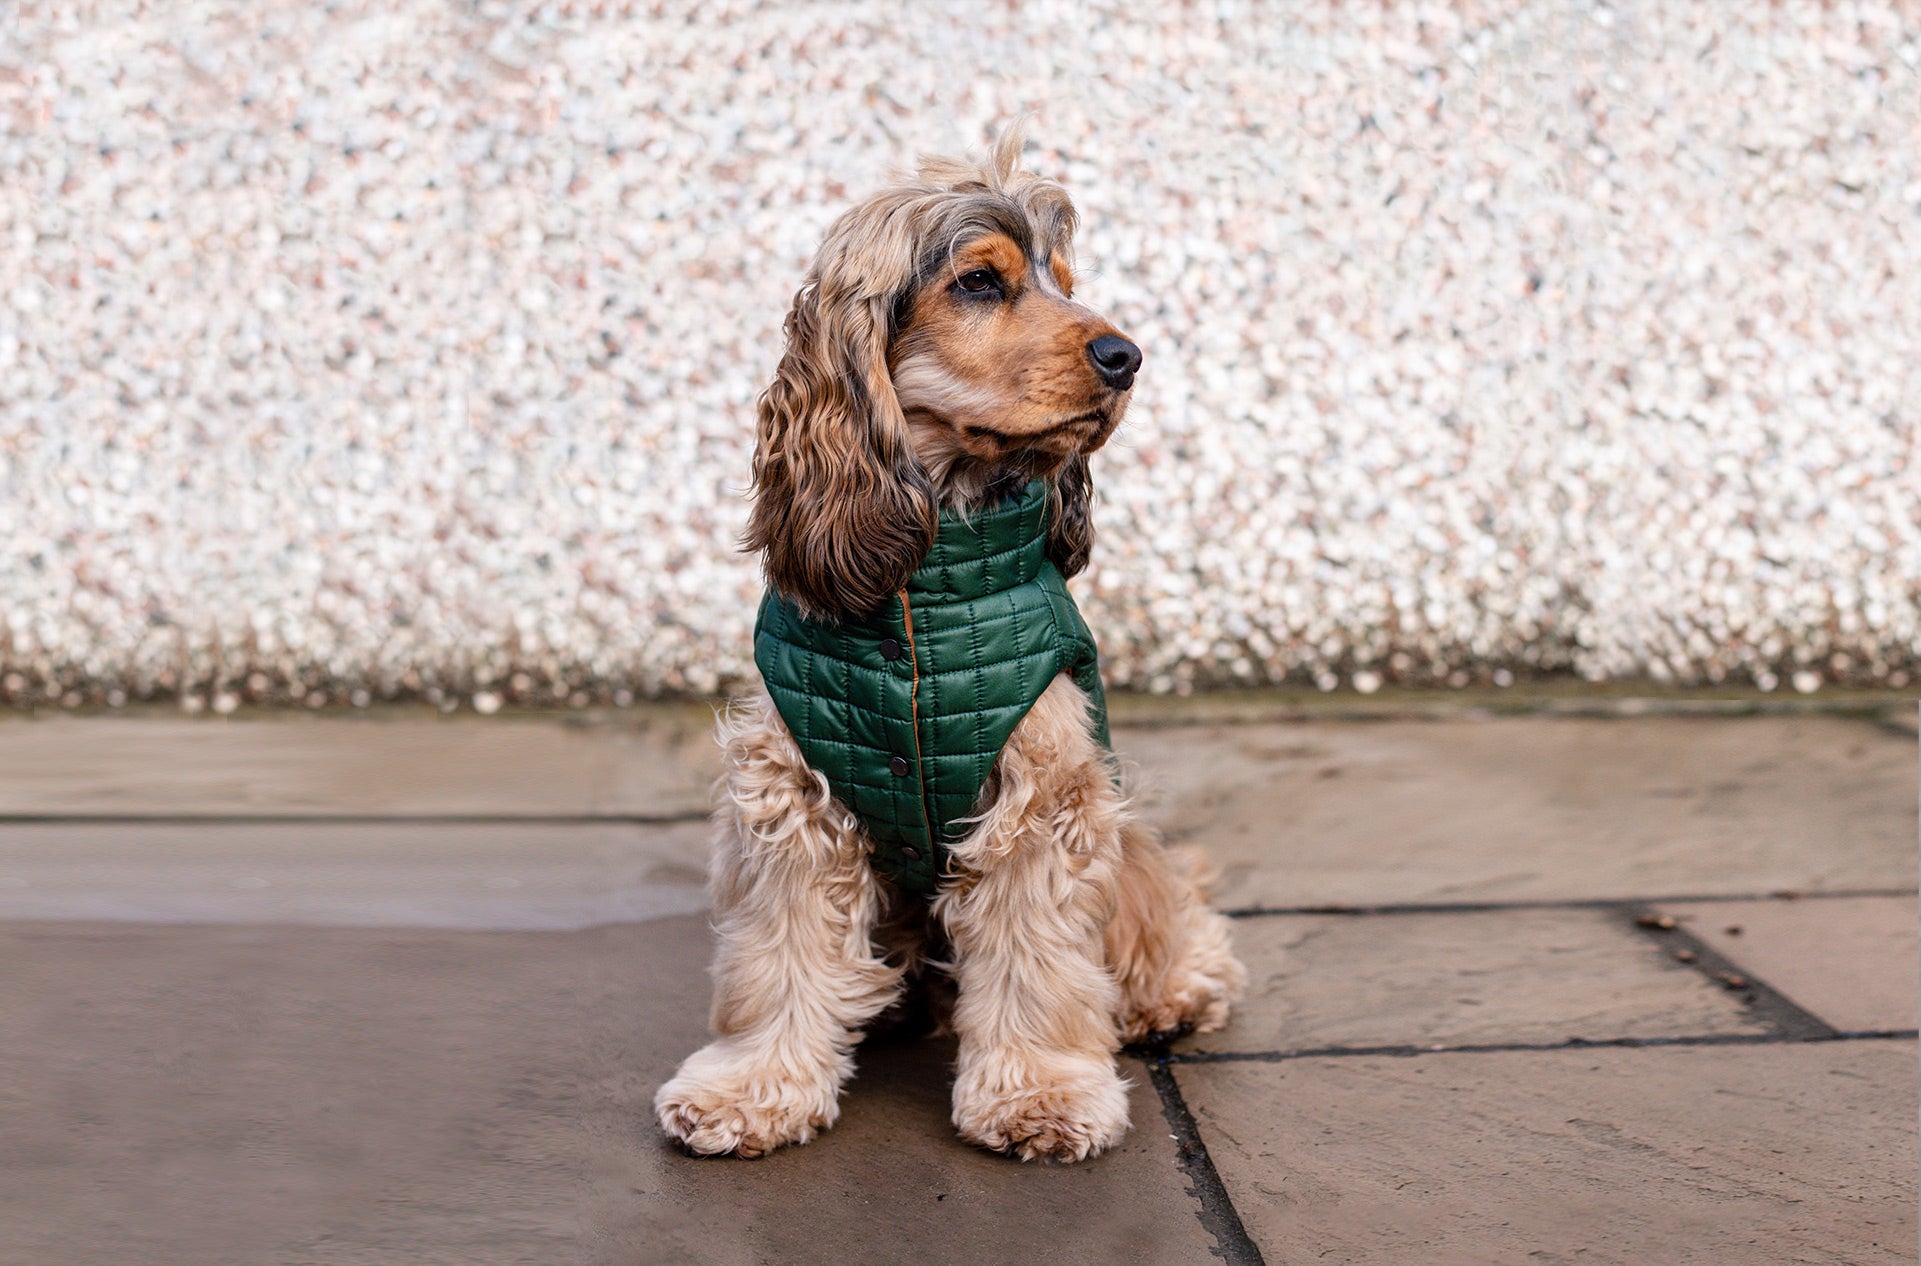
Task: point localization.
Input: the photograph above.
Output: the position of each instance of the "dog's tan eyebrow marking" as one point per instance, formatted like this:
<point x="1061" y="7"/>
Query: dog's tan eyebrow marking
<point x="996" y="251"/>
<point x="1063" y="275"/>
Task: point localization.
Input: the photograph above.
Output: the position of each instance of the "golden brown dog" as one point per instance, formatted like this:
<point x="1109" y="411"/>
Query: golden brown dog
<point x="936" y="356"/>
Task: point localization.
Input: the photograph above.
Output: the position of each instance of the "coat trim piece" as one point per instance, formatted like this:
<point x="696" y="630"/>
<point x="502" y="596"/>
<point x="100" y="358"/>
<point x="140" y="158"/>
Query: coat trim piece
<point x="905" y="711"/>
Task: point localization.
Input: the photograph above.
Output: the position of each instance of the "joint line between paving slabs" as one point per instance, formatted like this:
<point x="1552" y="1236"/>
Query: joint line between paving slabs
<point x="1551" y="903"/>
<point x="351" y="819"/>
<point x="1409" y="1050"/>
<point x="1787" y="1017"/>
<point x="1216" y="1211"/>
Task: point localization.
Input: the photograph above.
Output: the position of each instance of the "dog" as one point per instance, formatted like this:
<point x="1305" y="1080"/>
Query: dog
<point x="939" y="382"/>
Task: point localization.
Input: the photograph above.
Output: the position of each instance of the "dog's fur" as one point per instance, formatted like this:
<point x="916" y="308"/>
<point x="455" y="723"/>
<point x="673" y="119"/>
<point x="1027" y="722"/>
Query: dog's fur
<point x="910" y="384"/>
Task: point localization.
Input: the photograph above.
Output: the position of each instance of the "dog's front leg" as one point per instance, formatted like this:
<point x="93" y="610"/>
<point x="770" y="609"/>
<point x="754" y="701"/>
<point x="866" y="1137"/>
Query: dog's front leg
<point x="797" y="976"/>
<point x="1034" y="886"/>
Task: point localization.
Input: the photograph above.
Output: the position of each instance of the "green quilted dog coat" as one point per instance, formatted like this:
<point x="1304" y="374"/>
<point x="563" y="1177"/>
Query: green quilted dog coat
<point x="905" y="711"/>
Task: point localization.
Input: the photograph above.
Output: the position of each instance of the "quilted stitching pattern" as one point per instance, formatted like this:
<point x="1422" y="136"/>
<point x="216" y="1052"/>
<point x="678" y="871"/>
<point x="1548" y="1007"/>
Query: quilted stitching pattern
<point x="992" y="625"/>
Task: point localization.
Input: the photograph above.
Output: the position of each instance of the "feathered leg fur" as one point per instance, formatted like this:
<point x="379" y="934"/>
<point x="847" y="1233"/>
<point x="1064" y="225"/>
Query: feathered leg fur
<point x="1169" y="953"/>
<point x="1071" y="929"/>
<point x="797" y="975"/>
<point x="1035" y="884"/>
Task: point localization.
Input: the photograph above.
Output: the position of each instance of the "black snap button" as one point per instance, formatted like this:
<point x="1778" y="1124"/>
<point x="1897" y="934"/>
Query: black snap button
<point x="900" y="766"/>
<point x="890" y="650"/>
<point x="911" y="853"/>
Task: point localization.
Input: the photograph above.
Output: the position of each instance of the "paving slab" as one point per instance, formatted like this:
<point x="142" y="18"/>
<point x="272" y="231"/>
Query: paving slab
<point x="1298" y="813"/>
<point x="1853" y="961"/>
<point x="297" y="1042"/>
<point x="1474" y="977"/>
<point x="1536" y="807"/>
<point x="655" y="761"/>
<point x="202" y="1096"/>
<point x="391" y="873"/>
<point x="1757" y="1155"/>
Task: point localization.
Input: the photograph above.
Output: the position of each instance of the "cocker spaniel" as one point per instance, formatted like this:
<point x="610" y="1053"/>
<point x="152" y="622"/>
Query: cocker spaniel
<point x="921" y="489"/>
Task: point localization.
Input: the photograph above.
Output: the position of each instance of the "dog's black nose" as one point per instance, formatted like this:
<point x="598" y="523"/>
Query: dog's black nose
<point x="1115" y="359"/>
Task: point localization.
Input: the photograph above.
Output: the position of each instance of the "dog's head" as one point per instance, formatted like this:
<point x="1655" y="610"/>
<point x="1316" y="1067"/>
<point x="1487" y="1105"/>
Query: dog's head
<point x="934" y="353"/>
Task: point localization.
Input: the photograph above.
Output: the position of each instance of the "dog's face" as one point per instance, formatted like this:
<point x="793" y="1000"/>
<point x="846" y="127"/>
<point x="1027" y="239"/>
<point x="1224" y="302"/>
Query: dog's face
<point x="934" y="351"/>
<point x="993" y="358"/>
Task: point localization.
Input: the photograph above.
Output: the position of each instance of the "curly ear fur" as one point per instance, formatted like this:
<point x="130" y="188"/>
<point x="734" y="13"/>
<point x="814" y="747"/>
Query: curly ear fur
<point x="1070" y="519"/>
<point x="842" y="509"/>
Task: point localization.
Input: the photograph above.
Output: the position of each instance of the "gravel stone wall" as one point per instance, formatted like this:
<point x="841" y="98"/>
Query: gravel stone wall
<point x="370" y="349"/>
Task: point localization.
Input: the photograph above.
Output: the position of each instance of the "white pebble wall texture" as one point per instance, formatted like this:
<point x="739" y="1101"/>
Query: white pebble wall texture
<point x="365" y="350"/>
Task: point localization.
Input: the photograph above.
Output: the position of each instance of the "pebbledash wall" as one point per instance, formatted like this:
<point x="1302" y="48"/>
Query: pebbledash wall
<point x="403" y="348"/>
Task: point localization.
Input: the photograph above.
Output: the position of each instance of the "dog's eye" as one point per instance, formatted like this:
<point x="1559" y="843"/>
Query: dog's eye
<point x="980" y="281"/>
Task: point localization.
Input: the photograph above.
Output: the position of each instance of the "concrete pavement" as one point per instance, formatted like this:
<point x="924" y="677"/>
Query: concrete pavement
<point x="391" y="987"/>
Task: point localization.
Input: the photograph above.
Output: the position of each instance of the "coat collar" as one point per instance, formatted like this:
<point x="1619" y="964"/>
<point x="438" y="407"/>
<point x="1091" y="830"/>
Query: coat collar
<point x="983" y="552"/>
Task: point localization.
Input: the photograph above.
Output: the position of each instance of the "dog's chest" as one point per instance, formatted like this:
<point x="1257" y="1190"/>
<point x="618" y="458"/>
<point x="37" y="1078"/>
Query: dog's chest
<point x="905" y="712"/>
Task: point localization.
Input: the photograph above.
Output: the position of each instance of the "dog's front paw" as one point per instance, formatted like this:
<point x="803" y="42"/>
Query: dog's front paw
<point x="1071" y="1113"/>
<point x="722" y="1104"/>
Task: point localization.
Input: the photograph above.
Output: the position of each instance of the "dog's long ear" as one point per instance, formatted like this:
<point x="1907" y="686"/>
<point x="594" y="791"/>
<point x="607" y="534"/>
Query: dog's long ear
<point x="1070" y="517"/>
<point x="842" y="509"/>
